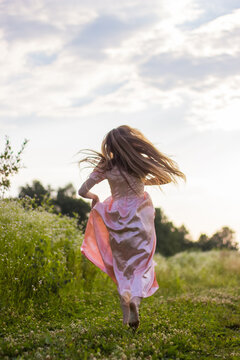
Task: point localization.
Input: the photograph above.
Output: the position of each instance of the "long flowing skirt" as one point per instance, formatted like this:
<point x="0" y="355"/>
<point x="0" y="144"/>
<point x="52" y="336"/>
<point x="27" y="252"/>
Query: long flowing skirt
<point x="120" y="239"/>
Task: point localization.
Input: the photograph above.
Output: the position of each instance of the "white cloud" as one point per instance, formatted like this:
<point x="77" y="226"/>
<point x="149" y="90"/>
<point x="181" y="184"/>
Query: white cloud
<point x="216" y="37"/>
<point x="124" y="57"/>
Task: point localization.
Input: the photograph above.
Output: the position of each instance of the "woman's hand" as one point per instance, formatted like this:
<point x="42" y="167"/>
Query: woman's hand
<point x="95" y="200"/>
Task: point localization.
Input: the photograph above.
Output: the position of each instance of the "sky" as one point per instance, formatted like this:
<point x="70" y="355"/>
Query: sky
<point x="73" y="70"/>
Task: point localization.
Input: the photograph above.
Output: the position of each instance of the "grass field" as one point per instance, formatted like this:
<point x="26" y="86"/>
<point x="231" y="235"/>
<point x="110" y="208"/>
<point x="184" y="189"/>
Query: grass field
<point x="55" y="304"/>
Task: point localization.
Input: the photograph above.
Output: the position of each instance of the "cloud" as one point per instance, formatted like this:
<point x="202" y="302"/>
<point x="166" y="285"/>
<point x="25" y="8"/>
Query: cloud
<point x="209" y="11"/>
<point x="17" y="28"/>
<point x="106" y="31"/>
<point x="66" y="59"/>
<point x="40" y="58"/>
<point x="169" y="70"/>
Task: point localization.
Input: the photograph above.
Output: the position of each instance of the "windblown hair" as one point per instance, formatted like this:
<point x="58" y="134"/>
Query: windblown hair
<point x="130" y="150"/>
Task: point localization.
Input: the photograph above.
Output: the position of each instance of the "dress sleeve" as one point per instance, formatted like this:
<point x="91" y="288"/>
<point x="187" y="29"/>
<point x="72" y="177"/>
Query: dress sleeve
<point x="94" y="178"/>
<point x="97" y="176"/>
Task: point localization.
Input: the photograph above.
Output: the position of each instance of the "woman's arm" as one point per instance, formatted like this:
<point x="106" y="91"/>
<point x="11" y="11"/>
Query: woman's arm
<point x="84" y="189"/>
<point x="94" y="178"/>
<point x="85" y="193"/>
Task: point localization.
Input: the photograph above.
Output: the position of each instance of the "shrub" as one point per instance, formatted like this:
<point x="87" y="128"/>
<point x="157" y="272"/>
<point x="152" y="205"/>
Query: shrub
<point x="39" y="253"/>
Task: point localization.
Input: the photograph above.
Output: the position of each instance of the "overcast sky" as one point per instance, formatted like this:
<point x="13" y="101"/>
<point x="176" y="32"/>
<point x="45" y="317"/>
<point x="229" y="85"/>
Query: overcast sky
<point x="73" y="70"/>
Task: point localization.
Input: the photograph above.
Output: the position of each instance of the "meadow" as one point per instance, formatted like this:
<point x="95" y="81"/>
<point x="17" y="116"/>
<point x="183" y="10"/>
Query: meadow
<point x="55" y="304"/>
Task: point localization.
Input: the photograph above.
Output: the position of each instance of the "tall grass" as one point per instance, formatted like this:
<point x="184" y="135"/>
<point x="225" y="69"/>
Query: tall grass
<point x="191" y="270"/>
<point x="39" y="255"/>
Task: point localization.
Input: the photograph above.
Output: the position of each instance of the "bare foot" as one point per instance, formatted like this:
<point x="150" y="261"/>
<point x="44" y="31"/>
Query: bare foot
<point x="134" y="314"/>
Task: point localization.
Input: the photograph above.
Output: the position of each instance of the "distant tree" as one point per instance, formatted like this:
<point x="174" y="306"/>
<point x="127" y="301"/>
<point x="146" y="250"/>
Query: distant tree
<point x="35" y="191"/>
<point x="67" y="203"/>
<point x="9" y="165"/>
<point x="170" y="239"/>
<point x="222" y="239"/>
<point x="203" y="243"/>
<point x="64" y="202"/>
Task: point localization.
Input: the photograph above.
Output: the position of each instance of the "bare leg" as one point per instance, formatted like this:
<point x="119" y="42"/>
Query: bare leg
<point x="125" y="305"/>
<point x="134" y="312"/>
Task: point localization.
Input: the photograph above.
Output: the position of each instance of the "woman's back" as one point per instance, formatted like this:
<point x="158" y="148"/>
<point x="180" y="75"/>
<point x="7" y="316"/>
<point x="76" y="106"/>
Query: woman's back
<point x="123" y="184"/>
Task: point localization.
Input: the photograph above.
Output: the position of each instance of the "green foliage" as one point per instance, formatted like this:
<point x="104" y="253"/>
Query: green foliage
<point x="170" y="239"/>
<point x="40" y="253"/>
<point x="69" y="205"/>
<point x="196" y="269"/>
<point x="65" y="201"/>
<point x="37" y="192"/>
<point x="222" y="239"/>
<point x="9" y="165"/>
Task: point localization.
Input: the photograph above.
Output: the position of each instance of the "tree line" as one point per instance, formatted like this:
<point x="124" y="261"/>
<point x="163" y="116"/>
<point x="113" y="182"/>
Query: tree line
<point x="62" y="201"/>
<point x="170" y="239"/>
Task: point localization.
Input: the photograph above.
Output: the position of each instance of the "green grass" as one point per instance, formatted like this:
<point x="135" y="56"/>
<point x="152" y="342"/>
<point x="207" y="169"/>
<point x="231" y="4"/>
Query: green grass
<point x="73" y="312"/>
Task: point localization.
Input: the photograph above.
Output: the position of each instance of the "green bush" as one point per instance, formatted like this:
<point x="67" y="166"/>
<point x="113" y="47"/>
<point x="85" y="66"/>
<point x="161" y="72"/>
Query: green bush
<point x="40" y="253"/>
<point x="191" y="269"/>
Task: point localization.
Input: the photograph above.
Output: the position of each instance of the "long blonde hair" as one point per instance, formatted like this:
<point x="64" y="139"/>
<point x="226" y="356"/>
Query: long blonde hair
<point x="130" y="150"/>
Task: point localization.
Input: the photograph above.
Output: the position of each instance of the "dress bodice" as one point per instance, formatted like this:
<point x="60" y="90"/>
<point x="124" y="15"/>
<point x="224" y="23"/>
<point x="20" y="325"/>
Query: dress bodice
<point x="124" y="185"/>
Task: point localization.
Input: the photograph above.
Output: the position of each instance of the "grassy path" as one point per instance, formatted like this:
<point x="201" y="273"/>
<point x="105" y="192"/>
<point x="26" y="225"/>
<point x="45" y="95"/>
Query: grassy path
<point x="204" y="324"/>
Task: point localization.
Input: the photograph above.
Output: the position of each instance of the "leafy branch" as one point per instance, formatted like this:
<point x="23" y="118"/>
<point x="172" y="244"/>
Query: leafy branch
<point x="10" y="164"/>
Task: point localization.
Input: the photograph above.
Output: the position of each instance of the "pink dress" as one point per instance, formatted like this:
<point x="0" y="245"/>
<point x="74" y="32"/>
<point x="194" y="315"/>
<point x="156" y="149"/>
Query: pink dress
<point x="120" y="235"/>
